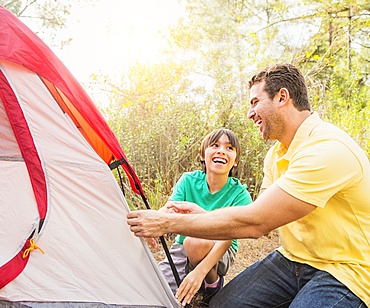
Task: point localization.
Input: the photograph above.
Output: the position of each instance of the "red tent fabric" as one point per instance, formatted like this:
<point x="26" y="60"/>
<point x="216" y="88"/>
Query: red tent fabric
<point x="20" y="45"/>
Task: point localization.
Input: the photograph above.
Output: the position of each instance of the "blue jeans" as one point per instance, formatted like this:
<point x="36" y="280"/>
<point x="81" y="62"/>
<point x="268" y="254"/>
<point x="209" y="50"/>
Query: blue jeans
<point x="277" y="282"/>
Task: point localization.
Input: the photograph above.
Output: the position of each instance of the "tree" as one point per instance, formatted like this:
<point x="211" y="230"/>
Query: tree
<point x="45" y="17"/>
<point x="336" y="61"/>
<point x="161" y="112"/>
<point x="42" y="14"/>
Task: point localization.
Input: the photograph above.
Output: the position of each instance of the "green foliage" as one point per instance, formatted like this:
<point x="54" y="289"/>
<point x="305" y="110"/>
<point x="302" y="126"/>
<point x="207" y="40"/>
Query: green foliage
<point x="160" y="113"/>
<point x="336" y="64"/>
<point x="46" y="14"/>
<point x="44" y="17"/>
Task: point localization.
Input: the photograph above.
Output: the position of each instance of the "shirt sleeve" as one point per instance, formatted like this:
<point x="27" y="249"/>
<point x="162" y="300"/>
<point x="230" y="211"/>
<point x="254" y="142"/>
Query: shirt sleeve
<point x="178" y="192"/>
<point x="319" y="171"/>
<point x="268" y="178"/>
<point x="244" y="198"/>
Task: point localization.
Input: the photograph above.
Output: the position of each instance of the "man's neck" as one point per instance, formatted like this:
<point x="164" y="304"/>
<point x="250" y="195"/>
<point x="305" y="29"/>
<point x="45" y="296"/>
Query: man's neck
<point x="293" y="123"/>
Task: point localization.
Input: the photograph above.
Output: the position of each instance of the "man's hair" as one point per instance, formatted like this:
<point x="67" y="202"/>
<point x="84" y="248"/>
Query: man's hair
<point x="213" y="137"/>
<point x="284" y="76"/>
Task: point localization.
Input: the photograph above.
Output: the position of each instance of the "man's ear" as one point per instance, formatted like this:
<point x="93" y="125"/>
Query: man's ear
<point x="283" y="95"/>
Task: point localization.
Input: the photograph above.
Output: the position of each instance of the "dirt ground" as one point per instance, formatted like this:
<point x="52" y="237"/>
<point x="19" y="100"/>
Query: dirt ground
<point x="249" y="252"/>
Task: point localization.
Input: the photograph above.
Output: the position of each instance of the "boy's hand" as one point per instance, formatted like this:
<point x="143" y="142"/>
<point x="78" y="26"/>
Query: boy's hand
<point x="166" y="208"/>
<point x="152" y="242"/>
<point x="184" y="207"/>
<point x="189" y="287"/>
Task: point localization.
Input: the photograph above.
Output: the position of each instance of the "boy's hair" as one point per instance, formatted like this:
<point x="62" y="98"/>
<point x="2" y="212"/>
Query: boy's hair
<point x="284" y="76"/>
<point x="213" y="137"/>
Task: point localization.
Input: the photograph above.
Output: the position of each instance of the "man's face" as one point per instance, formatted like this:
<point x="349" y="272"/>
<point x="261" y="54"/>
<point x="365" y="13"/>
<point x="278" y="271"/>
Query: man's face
<point x="264" y="112"/>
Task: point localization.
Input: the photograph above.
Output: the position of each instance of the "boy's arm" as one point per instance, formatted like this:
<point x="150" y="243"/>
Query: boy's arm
<point x="193" y="281"/>
<point x="212" y="258"/>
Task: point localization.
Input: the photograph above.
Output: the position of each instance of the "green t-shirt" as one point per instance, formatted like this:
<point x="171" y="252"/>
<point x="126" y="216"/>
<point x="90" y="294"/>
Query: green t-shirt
<point x="193" y="187"/>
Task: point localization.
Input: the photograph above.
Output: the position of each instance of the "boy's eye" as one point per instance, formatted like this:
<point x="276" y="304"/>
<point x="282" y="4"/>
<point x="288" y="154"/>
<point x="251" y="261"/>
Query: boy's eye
<point x="214" y="145"/>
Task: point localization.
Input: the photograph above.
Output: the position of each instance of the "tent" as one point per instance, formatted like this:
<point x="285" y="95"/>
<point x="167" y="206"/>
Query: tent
<point x="64" y="240"/>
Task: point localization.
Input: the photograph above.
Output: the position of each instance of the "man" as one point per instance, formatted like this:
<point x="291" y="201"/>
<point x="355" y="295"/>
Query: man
<point x="315" y="190"/>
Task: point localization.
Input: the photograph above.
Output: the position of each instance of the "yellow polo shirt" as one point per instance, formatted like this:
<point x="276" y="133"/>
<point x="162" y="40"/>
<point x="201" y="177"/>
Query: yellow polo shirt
<point x="325" y="167"/>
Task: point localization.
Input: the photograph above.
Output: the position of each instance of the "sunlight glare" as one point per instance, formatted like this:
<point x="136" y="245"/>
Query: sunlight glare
<point x="111" y="35"/>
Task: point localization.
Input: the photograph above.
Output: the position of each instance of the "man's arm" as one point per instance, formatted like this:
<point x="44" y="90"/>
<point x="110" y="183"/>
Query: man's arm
<point x="271" y="210"/>
<point x="261" y="191"/>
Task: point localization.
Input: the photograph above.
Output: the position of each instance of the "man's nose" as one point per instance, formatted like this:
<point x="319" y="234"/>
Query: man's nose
<point x="251" y="113"/>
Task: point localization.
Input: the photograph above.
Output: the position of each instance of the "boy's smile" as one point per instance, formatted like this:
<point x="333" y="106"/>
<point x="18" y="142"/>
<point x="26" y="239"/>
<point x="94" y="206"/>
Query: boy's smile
<point x="219" y="160"/>
<point x="220" y="156"/>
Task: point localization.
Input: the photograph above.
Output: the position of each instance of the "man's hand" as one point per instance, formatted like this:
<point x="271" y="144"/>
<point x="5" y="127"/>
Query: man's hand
<point x="147" y="223"/>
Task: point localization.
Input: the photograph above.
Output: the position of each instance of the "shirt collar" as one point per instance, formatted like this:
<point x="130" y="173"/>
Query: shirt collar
<point x="302" y="133"/>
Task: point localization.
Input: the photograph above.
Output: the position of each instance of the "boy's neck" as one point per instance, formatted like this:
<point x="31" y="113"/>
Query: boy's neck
<point x="216" y="182"/>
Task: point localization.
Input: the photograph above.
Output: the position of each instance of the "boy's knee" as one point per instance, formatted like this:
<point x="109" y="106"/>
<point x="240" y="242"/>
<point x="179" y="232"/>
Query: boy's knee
<point x="197" y="246"/>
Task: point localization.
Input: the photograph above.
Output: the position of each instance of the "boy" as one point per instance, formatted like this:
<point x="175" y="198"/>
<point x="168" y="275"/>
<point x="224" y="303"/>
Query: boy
<point x="204" y="263"/>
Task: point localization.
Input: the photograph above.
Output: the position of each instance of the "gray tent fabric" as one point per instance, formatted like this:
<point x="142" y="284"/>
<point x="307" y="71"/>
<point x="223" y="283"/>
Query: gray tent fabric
<point x="64" y="241"/>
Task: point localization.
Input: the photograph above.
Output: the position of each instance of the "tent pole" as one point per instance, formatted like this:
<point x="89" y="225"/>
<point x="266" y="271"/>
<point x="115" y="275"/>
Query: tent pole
<point x="165" y="247"/>
<point x="145" y="200"/>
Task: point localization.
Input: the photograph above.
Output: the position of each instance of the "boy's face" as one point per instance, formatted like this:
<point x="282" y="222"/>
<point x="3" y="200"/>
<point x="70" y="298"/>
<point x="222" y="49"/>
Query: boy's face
<point x="220" y="156"/>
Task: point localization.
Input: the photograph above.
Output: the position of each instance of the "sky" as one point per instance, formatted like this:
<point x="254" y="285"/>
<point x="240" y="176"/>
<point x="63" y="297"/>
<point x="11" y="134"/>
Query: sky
<point x="110" y="35"/>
